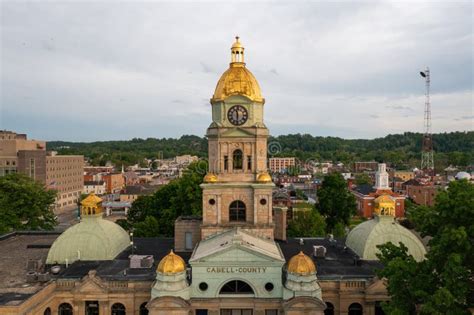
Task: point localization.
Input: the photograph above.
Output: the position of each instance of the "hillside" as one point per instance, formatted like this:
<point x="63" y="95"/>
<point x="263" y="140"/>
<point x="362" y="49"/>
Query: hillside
<point x="402" y="150"/>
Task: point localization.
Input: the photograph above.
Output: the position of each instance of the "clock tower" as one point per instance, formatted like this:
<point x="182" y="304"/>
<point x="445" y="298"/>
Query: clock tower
<point x="237" y="190"/>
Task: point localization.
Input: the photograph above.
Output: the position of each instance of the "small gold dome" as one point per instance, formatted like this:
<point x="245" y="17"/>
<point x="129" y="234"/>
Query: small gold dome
<point x="210" y="178"/>
<point x="171" y="263"/>
<point x="264" y="178"/>
<point x="301" y="264"/>
<point x="237" y="43"/>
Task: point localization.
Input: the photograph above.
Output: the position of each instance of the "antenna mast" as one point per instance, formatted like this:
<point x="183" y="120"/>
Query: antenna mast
<point x="427" y="160"/>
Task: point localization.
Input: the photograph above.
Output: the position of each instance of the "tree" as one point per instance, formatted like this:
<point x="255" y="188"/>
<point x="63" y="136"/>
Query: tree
<point x="307" y="224"/>
<point x="363" y="179"/>
<point x="182" y="196"/>
<point x="335" y="201"/>
<point x="441" y="283"/>
<point x="25" y="204"/>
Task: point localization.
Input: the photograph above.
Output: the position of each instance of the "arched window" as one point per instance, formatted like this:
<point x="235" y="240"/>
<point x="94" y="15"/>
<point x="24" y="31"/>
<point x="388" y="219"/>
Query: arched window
<point x="118" y="309"/>
<point x="237" y="211"/>
<point x="47" y="311"/>
<point x="329" y="309"/>
<point x="143" y="309"/>
<point x="236" y="287"/>
<point x="237" y="157"/>
<point x="65" y="309"/>
<point x="355" y="309"/>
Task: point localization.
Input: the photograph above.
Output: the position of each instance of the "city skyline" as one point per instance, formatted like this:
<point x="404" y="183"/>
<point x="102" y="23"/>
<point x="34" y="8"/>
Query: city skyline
<point x="87" y="72"/>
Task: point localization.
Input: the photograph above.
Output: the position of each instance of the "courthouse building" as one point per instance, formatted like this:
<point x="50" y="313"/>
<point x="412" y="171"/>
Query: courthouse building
<point x="234" y="260"/>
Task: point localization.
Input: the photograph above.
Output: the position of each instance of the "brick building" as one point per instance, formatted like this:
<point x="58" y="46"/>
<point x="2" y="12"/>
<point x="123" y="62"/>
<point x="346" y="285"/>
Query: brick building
<point x="280" y="165"/>
<point x="366" y="195"/>
<point x="64" y="173"/>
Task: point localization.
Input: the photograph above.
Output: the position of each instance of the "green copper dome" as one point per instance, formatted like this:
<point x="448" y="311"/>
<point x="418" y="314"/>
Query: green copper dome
<point x="92" y="239"/>
<point x="365" y="237"/>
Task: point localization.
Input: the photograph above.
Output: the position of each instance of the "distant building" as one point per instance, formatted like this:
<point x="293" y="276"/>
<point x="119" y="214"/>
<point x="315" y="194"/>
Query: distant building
<point x="367" y="196"/>
<point x="280" y="165"/>
<point x="185" y="159"/>
<point x="97" y="187"/>
<point x="403" y="175"/>
<point x="114" y="182"/>
<point x="64" y="173"/>
<point x="422" y="193"/>
<point x="365" y="166"/>
<point x="18" y="154"/>
<point x="98" y="169"/>
<point x="131" y="193"/>
<point x="131" y="178"/>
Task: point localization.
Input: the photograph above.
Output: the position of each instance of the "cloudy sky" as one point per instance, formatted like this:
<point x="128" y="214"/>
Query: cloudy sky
<point x="85" y="71"/>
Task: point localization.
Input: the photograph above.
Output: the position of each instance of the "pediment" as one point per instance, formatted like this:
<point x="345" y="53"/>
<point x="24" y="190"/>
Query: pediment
<point x="236" y="132"/>
<point x="376" y="287"/>
<point x="237" y="254"/>
<point x="91" y="284"/>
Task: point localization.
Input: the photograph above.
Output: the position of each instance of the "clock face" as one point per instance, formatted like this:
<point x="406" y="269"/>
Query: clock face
<point x="237" y="115"/>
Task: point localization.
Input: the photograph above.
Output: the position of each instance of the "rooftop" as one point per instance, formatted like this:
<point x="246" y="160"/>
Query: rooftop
<point x="339" y="263"/>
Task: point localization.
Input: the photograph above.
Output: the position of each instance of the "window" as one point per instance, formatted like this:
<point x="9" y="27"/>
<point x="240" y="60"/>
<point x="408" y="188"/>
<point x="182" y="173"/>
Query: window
<point x="32" y="168"/>
<point x="237" y="160"/>
<point x="118" y="309"/>
<point x="201" y="312"/>
<point x="143" y="309"/>
<point x="47" y="311"/>
<point x="188" y="239"/>
<point x="355" y="309"/>
<point x="329" y="309"/>
<point x="249" y="162"/>
<point x="226" y="162"/>
<point x="203" y="286"/>
<point x="92" y="308"/>
<point x="65" y="309"/>
<point x="237" y="211"/>
<point x="269" y="286"/>
<point x="236" y="287"/>
<point x="271" y="312"/>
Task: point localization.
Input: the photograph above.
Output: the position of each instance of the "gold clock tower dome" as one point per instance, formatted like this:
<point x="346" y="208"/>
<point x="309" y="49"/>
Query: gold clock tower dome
<point x="237" y="191"/>
<point x="237" y="79"/>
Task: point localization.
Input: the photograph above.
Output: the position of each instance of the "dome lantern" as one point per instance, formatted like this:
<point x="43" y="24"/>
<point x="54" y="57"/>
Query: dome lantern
<point x="237" y="52"/>
<point x="91" y="205"/>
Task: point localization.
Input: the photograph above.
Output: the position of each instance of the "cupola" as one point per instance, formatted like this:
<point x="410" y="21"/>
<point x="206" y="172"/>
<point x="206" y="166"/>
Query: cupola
<point x="301" y="264"/>
<point x="264" y="178"/>
<point x="171" y="264"/>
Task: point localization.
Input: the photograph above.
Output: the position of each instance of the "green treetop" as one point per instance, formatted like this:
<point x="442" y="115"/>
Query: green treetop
<point x="442" y="283"/>
<point x="25" y="204"/>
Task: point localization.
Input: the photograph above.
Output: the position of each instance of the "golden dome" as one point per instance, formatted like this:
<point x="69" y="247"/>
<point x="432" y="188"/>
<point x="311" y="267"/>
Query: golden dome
<point x="237" y="80"/>
<point x="264" y="178"/>
<point x="210" y="178"/>
<point x="301" y="264"/>
<point x="171" y="263"/>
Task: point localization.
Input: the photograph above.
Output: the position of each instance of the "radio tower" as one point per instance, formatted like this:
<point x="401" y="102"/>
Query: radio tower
<point x="427" y="161"/>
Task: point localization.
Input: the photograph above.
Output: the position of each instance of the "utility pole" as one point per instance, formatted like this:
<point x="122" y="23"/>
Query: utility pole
<point x="427" y="159"/>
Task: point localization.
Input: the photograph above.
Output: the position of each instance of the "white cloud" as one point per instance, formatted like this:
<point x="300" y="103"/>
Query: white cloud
<point x="147" y="69"/>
